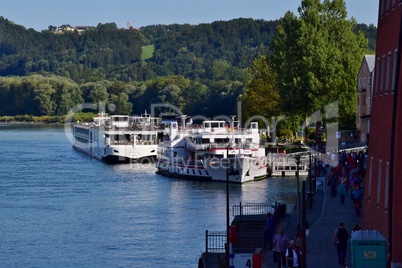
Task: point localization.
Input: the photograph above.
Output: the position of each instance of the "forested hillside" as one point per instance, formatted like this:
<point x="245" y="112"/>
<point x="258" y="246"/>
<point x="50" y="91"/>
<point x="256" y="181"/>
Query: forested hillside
<point x="194" y="67"/>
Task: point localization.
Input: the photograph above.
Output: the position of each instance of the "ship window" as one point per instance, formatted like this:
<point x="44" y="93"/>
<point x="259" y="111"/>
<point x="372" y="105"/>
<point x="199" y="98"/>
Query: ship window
<point x="225" y="140"/>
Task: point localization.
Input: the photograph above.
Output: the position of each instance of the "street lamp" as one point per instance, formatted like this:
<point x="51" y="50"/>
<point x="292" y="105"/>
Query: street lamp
<point x="227" y="208"/>
<point x="299" y="202"/>
<point x="297" y="157"/>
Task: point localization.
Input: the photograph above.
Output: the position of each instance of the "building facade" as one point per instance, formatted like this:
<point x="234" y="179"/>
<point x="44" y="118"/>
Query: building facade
<point x="382" y="201"/>
<point x="364" y="93"/>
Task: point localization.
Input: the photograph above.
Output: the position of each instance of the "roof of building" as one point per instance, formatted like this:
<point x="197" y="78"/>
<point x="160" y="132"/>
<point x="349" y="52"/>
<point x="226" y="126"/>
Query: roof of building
<point x="370" y="59"/>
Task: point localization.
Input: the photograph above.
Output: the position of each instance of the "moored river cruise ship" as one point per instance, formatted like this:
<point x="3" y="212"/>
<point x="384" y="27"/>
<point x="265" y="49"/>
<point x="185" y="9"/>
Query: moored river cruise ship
<point x="118" y="138"/>
<point x="213" y="151"/>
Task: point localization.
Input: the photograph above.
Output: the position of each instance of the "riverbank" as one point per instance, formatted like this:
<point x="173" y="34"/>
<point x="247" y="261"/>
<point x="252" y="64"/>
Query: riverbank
<point x="46" y="119"/>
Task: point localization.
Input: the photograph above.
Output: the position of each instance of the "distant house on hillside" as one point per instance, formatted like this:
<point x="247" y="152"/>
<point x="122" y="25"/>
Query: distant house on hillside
<point x="68" y="28"/>
<point x="364" y="96"/>
<point x="65" y="28"/>
<point x="81" y="29"/>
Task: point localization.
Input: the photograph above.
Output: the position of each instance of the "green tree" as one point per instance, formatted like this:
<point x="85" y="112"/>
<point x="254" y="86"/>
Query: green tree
<point x="98" y="93"/>
<point x="317" y="57"/>
<point x="44" y="95"/>
<point x="261" y="97"/>
<point x="121" y="104"/>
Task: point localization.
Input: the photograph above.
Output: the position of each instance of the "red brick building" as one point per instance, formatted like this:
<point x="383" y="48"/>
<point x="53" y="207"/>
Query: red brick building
<point x="382" y="201"/>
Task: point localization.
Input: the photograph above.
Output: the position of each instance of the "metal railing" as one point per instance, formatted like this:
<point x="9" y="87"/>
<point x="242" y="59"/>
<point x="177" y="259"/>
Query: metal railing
<point x="215" y="241"/>
<point x="253" y="209"/>
<point x="246" y="242"/>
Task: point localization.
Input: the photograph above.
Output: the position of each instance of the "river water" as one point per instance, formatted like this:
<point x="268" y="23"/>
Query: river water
<point x="61" y="208"/>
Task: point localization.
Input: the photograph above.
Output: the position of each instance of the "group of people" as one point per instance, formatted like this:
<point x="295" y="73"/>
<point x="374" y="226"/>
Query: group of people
<point x="348" y="174"/>
<point x="286" y="252"/>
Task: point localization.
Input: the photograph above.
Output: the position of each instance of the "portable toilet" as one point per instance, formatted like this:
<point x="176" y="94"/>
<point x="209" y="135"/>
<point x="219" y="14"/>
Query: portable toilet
<point x="369" y="249"/>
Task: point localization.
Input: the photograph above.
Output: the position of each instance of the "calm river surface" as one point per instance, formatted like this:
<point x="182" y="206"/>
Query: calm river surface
<point x="61" y="208"/>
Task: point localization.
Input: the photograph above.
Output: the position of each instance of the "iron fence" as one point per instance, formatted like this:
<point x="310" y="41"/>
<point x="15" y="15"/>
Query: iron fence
<point x="215" y="241"/>
<point x="253" y="209"/>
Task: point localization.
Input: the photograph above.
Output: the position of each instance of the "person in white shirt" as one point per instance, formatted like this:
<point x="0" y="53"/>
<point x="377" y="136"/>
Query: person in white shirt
<point x="293" y="255"/>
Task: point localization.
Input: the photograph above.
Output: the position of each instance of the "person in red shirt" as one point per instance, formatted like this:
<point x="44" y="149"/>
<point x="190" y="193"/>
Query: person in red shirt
<point x="258" y="258"/>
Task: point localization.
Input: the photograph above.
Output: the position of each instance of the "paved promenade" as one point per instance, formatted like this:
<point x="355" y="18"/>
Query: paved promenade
<point x="323" y="217"/>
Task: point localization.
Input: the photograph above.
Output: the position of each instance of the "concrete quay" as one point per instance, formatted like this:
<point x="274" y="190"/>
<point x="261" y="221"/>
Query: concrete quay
<point x="323" y="218"/>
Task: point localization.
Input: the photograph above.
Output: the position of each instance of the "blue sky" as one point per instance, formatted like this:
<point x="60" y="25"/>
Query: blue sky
<point x="40" y="14"/>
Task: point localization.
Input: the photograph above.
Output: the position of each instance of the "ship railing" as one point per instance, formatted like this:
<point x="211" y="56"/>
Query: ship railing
<point x="201" y="130"/>
<point x="253" y="209"/>
<point x="129" y="142"/>
<point x="131" y="128"/>
<point x="224" y="145"/>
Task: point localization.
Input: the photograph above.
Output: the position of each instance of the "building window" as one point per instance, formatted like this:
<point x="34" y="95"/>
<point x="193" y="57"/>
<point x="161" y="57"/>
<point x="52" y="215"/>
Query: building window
<point x="382" y="7"/>
<point x="364" y="82"/>
<point x="394" y="70"/>
<point x="388" y="71"/>
<point x="386" y="186"/>
<point x="370" y="178"/>
<point x="369" y="81"/>
<point x="393" y="3"/>
<point x="387" y="6"/>
<point x="382" y="74"/>
<point x="363" y="102"/>
<point x="376" y="75"/>
<point x="379" y="183"/>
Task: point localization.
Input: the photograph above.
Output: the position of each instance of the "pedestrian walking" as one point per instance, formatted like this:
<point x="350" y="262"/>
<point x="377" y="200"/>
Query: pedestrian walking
<point x="343" y="191"/>
<point x="357" y="198"/>
<point x="341" y="242"/>
<point x="268" y="232"/>
<point x="280" y="245"/>
<point x="293" y="255"/>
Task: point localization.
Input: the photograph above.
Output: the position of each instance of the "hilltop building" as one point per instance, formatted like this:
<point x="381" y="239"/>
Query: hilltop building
<point x="382" y="201"/>
<point x="364" y="95"/>
<point x="68" y="28"/>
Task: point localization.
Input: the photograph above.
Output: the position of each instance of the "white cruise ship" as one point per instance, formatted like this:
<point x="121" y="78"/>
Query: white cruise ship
<point x="118" y="138"/>
<point x="201" y="152"/>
